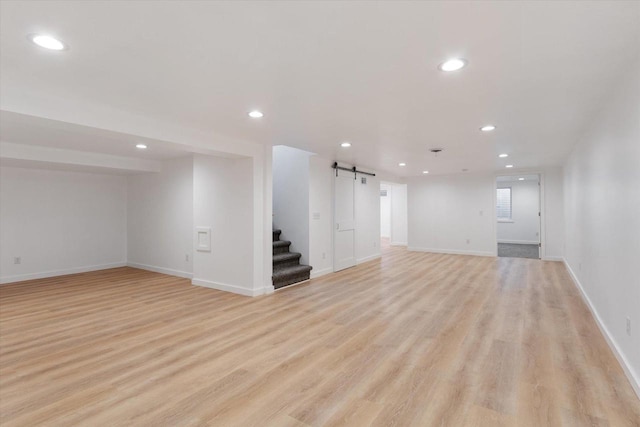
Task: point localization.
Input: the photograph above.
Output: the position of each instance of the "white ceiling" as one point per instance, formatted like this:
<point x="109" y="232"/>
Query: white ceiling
<point x="30" y="130"/>
<point x="510" y="178"/>
<point x="325" y="72"/>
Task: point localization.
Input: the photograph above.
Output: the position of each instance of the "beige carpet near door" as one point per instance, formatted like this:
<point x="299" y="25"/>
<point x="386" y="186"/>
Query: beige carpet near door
<point x="513" y="250"/>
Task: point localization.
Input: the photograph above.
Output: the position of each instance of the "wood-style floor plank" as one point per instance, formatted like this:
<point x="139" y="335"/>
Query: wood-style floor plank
<point x="411" y="339"/>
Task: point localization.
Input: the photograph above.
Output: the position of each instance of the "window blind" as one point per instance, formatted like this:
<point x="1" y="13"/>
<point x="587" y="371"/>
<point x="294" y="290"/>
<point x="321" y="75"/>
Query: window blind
<point x="503" y="208"/>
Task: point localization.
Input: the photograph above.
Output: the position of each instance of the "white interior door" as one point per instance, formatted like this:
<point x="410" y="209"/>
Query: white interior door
<point x="344" y="228"/>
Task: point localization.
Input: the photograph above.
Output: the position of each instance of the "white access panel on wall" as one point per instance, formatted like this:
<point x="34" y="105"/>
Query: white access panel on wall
<point x="203" y="239"/>
<point x="344" y="230"/>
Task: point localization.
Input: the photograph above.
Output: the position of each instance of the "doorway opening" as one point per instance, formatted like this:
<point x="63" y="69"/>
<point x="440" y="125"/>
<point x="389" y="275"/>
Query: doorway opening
<point x="518" y="216"/>
<point x="385" y="215"/>
<point x="393" y="214"/>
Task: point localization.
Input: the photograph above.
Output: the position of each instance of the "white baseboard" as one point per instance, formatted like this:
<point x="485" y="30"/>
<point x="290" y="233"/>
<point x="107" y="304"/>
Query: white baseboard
<point x="368" y="258"/>
<point x="633" y="378"/>
<point x="519" y="242"/>
<point x="452" y="251"/>
<point x="318" y="273"/>
<point x="64" y="272"/>
<point x="398" y="243"/>
<point x="230" y="288"/>
<point x="269" y="289"/>
<point x="553" y="258"/>
<point x="169" y="271"/>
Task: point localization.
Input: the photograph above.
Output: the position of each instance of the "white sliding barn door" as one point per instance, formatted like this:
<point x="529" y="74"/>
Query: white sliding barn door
<point x="344" y="227"/>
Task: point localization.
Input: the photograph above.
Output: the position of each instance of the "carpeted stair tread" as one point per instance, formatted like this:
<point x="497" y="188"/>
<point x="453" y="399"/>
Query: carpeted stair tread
<point x="287" y="256"/>
<point x="286" y="265"/>
<point x="292" y="271"/>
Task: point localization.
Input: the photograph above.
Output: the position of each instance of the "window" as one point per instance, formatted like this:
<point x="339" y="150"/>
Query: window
<point x="503" y="208"/>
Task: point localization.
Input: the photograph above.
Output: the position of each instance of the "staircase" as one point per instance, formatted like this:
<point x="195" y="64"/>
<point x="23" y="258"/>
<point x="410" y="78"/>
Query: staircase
<point x="287" y="269"/>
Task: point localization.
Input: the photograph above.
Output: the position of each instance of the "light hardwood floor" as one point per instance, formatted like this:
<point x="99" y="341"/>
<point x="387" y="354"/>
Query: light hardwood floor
<point x="411" y="339"/>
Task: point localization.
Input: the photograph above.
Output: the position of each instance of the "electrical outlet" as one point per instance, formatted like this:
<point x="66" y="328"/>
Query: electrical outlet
<point x="186" y="257"/>
<point x="468" y="241"/>
<point x="629" y="326"/>
<point x="17" y="260"/>
<point x="481" y="213"/>
<point x="324" y="256"/>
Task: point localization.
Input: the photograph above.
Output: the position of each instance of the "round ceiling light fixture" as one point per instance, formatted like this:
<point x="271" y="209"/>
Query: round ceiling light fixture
<point x="141" y="146"/>
<point x="520" y="179"/>
<point x="402" y="164"/>
<point x="453" y="64"/>
<point x="503" y="155"/>
<point x="508" y="166"/>
<point x="345" y="144"/>
<point x="47" y="42"/>
<point x="255" y="114"/>
<point x="425" y="172"/>
<point x="487" y="128"/>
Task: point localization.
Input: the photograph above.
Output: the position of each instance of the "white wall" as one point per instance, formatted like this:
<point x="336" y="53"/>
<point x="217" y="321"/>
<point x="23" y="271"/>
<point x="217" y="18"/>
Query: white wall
<point x="524" y="226"/>
<point x="321" y="216"/>
<point x="452" y="214"/>
<point x="160" y="219"/>
<point x="60" y="222"/>
<point x="445" y="211"/>
<point x="367" y="210"/>
<point x="291" y="197"/>
<point x="159" y="201"/>
<point x="385" y="211"/>
<point x="263" y="259"/>
<point x="602" y="211"/>
<point x="223" y="200"/>
<point x="553" y="214"/>
<point x="399" y="215"/>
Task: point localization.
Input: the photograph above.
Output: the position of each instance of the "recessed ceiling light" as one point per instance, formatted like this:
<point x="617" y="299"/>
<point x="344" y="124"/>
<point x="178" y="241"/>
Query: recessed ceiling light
<point x="520" y="179"/>
<point x="453" y="64"/>
<point x="402" y="164"/>
<point x="487" y="128"/>
<point x="425" y="172"/>
<point x="503" y="155"/>
<point x="47" y="42"/>
<point x="345" y="144"/>
<point x="509" y="166"/>
<point x="141" y="146"/>
<point x="255" y="114"/>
